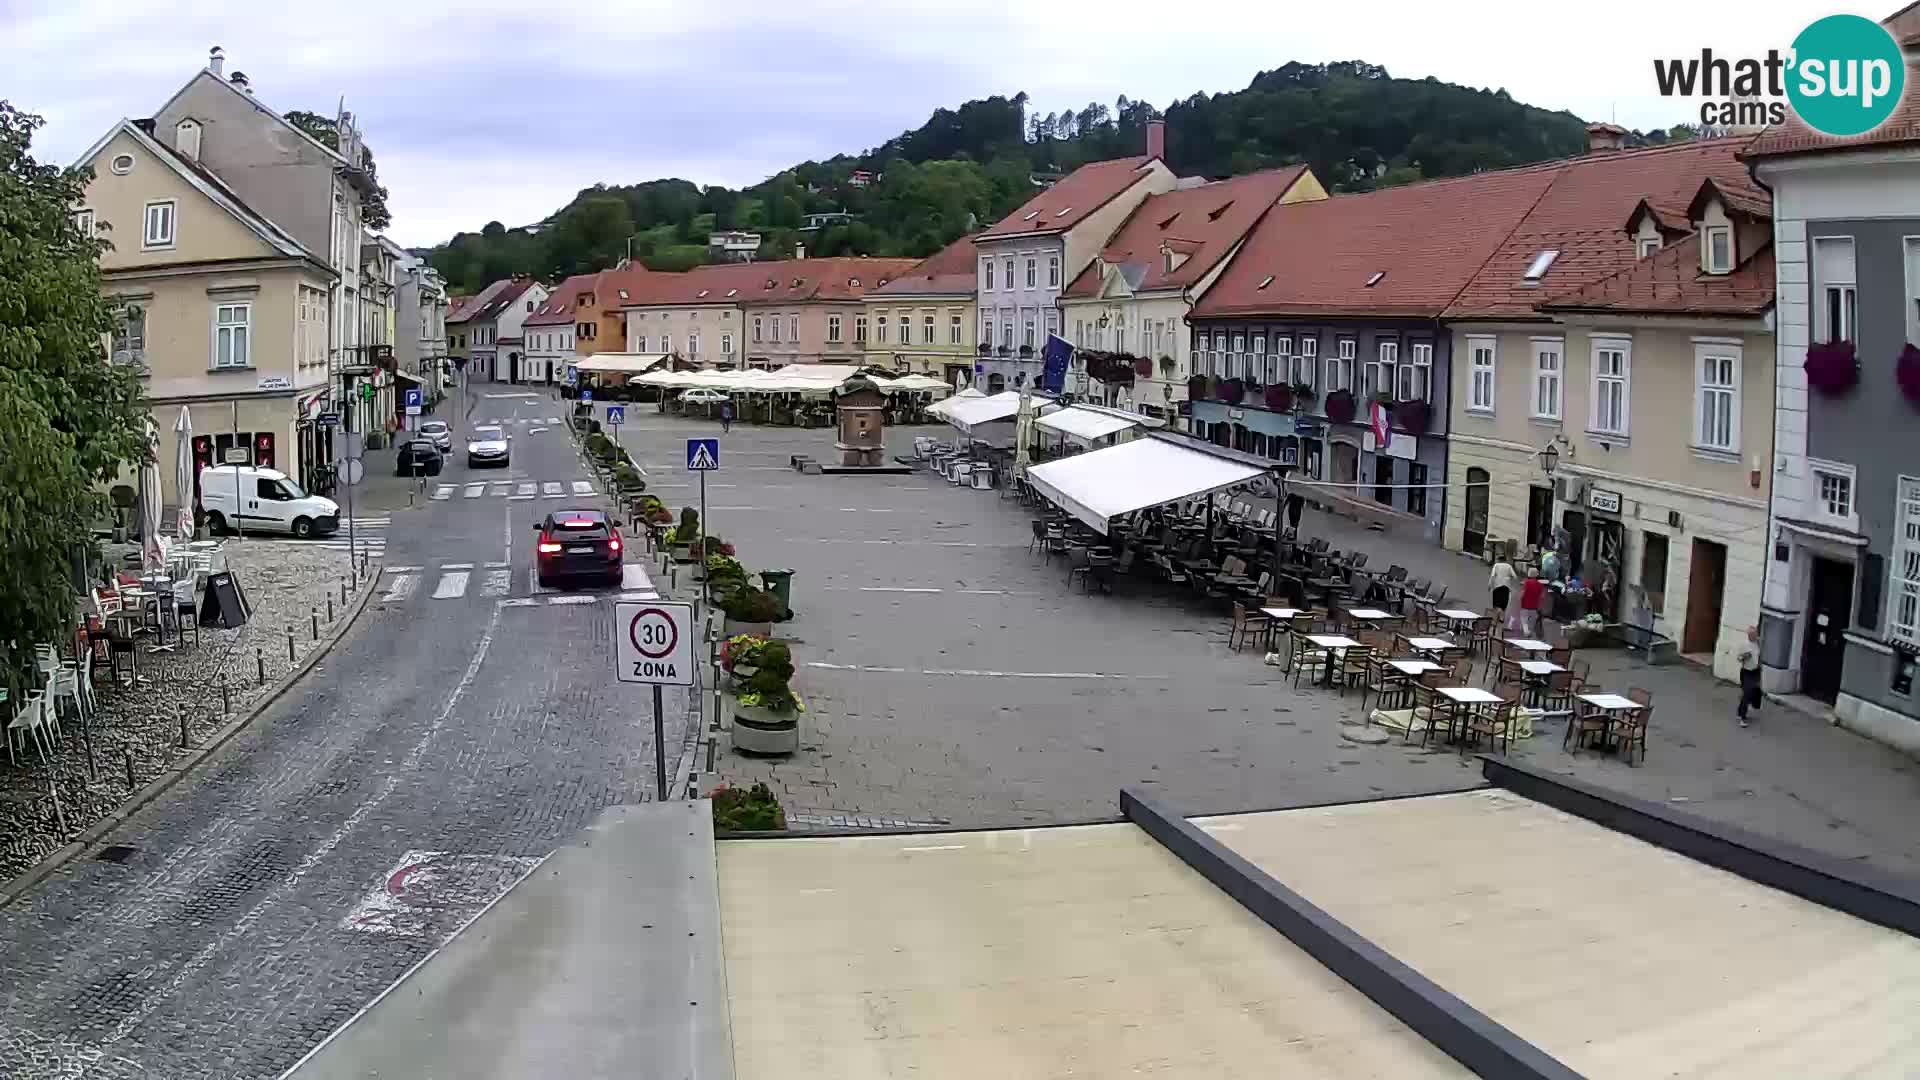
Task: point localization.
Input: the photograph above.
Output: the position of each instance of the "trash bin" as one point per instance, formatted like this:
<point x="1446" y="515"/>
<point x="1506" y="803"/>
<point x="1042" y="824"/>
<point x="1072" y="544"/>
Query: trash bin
<point x="780" y="584"/>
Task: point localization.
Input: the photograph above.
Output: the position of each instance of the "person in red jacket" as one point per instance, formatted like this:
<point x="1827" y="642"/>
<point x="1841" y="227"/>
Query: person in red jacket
<point x="1532" y="592"/>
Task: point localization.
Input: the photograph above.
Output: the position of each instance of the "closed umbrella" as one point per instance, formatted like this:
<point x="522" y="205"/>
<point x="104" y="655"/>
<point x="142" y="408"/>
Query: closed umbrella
<point x="183" y="473"/>
<point x="150" y="495"/>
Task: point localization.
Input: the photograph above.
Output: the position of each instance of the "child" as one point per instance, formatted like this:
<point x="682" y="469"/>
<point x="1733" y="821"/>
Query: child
<point x="1532" y="592"/>
<point x="1749" y="674"/>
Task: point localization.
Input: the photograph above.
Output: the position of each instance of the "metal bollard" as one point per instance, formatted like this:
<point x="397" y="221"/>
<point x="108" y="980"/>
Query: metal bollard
<point x="343" y="592"/>
<point x="330" y="608"/>
<point x="226" y="699"/>
<point x="261" y="663"/>
<point x="313" y="620"/>
<point x="129" y="770"/>
<point x="184" y="740"/>
<point x="59" y="812"/>
<point x="289" y="644"/>
<point x="93" y="767"/>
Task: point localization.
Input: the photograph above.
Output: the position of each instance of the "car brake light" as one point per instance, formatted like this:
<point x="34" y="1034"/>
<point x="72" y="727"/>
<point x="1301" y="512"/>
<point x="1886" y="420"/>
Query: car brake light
<point x="613" y="543"/>
<point x="548" y="549"/>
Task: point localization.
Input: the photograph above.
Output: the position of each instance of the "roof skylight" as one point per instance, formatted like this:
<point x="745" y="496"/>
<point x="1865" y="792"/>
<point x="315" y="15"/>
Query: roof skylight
<point x="1537" y="269"/>
<point x="1375" y="279"/>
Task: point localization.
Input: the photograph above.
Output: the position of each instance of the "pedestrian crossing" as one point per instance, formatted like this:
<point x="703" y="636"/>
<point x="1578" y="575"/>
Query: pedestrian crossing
<point x="514" y="490"/>
<point x="495" y="581"/>
<point x="523" y="421"/>
<point x="368" y="532"/>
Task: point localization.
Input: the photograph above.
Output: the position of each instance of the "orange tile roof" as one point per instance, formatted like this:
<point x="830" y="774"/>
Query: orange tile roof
<point x="780" y="282"/>
<point x="1670" y="282"/>
<point x="558" y="309"/>
<point x="1068" y="202"/>
<point x="1902" y="127"/>
<point x="1580" y="216"/>
<point x="1202" y="222"/>
<point x="949" y="270"/>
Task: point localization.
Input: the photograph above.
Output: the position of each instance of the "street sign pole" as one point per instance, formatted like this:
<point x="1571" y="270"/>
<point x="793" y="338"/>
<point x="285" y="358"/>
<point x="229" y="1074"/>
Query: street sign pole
<point x="659" y="745"/>
<point x="700" y="612"/>
<point x="239" y="532"/>
<point x="653" y="643"/>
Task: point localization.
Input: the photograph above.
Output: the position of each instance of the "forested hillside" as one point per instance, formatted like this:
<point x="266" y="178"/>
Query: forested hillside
<point x="1355" y="125"/>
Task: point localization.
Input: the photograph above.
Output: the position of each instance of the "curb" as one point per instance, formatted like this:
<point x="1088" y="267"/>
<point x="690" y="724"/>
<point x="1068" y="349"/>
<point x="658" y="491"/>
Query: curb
<point x="95" y="834"/>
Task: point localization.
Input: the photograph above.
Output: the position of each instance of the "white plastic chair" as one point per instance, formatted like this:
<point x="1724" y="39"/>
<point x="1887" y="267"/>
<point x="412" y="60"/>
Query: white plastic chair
<point x="29" y="721"/>
<point x="62" y="684"/>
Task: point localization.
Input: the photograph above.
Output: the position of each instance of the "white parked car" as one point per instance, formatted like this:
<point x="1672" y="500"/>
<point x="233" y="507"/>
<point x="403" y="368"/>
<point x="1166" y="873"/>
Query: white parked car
<point x="439" y="434"/>
<point x="702" y="396"/>
<point x="265" y="500"/>
<point x="488" y="446"/>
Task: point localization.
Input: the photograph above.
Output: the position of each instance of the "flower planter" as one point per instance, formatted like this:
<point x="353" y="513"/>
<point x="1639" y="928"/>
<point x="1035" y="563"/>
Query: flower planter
<point x="682" y="552"/>
<point x="1197" y="388"/>
<point x="738" y="676"/>
<point x="1340" y="406"/>
<point x="1232" y="391"/>
<point x="731" y="629"/>
<point x="1412" y="416"/>
<point x="1279" y="398"/>
<point x="1906" y="372"/>
<point x="1832" y="367"/>
<point x="758" y="731"/>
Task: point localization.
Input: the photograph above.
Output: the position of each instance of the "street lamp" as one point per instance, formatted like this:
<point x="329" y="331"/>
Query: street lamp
<point x="1549" y="458"/>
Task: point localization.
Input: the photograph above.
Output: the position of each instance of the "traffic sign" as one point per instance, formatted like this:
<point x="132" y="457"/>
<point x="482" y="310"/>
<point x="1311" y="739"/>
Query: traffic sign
<point x="329" y="419"/>
<point x="586" y="394"/>
<point x="653" y="642"/>
<point x="616" y="415"/>
<point x="413" y="400"/>
<point x="703" y="455"/>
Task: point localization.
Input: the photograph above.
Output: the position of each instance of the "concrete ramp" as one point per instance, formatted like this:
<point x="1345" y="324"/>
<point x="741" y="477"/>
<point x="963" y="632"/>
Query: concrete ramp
<point x="604" y="962"/>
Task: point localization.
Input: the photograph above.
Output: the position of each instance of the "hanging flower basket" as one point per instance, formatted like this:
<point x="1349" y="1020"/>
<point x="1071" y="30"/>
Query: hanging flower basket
<point x="1412" y="415"/>
<point x="1906" y="372"/>
<point x="1232" y="390"/>
<point x="1303" y="394"/>
<point x="1196" y="387"/>
<point x="1340" y="406"/>
<point x="1143" y="367"/>
<point x="1279" y="398"/>
<point x="1166" y="365"/>
<point x="1832" y="367"/>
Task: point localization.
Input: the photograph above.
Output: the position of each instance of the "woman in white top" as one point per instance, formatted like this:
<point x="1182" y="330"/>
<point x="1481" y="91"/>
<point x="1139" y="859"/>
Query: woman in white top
<point x="1500" y="584"/>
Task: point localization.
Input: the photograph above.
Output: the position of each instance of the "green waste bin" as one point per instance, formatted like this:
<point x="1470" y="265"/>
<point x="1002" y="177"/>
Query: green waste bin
<point x="780" y="584"/>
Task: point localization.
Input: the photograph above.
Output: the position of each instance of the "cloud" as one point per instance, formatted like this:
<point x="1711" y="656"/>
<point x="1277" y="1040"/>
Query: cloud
<point x="499" y="110"/>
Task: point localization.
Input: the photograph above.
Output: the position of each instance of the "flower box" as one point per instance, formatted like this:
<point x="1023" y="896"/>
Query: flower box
<point x="1197" y="388"/>
<point x="1340" y="406"/>
<point x="763" y="731"/>
<point x="1232" y="391"/>
<point x="1412" y="416"/>
<point x="1142" y="367"/>
<point x="1279" y="398"/>
<point x="1833" y="368"/>
<point x="1906" y="372"/>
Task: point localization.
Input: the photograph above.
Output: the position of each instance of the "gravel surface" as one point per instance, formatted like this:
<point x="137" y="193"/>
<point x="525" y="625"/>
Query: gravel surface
<point x="138" y="726"/>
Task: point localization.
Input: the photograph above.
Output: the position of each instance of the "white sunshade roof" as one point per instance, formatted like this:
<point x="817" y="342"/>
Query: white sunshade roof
<point x="1085" y="425"/>
<point x="968" y="414"/>
<point x="1104" y="484"/>
<point x="620" y="362"/>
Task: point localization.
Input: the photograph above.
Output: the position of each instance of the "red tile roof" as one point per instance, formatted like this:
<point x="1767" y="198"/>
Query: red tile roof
<point x="947" y="271"/>
<point x="1428" y="239"/>
<point x="1204" y="223"/>
<point x="1068" y="202"/>
<point x="558" y="310"/>
<point x="1580" y="216"/>
<point x="1670" y="282"/>
<point x="490" y="301"/>
<point x="1902" y="127"/>
<point x="783" y="282"/>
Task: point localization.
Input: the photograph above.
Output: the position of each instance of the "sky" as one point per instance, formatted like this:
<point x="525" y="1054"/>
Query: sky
<point x="504" y="111"/>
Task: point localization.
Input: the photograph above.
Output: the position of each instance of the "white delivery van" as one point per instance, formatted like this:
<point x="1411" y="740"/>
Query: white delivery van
<point x="263" y="500"/>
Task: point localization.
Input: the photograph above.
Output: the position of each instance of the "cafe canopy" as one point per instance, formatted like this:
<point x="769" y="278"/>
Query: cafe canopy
<point x="1099" y="486"/>
<point x="969" y="413"/>
<point x="620" y="363"/>
<point x="1086" y="426"/>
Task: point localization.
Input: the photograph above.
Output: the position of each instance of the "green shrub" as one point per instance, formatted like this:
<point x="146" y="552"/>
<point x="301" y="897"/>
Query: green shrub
<point x="628" y="478"/>
<point x="752" y="810"/>
<point x="597" y="444"/>
<point x="689" y="524"/>
<point x="750" y="605"/>
<point x="769" y="689"/>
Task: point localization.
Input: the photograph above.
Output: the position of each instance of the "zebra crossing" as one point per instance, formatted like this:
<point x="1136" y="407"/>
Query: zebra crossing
<point x="368" y="532"/>
<point x="514" y="490"/>
<point x="523" y="421"/>
<point x="495" y="581"/>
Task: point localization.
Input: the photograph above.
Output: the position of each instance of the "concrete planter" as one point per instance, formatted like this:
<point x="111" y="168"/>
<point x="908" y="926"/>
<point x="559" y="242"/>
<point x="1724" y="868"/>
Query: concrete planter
<point x="732" y="628"/>
<point x="758" y="731"/>
<point x="682" y="552"/>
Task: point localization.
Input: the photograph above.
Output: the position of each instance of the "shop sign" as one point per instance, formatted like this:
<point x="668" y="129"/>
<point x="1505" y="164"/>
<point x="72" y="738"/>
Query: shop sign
<point x="1607" y="502"/>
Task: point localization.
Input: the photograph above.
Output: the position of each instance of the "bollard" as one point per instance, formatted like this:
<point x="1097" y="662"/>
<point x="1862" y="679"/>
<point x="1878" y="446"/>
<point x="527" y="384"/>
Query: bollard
<point x="129" y="770"/>
<point x="313" y="620"/>
<point x="226" y="701"/>
<point x="93" y="767"/>
<point x="330" y="608"/>
<point x="343" y="592"/>
<point x="289" y="644"/>
<point x="261" y="662"/>
<point x="59" y="812"/>
<point x="184" y="741"/>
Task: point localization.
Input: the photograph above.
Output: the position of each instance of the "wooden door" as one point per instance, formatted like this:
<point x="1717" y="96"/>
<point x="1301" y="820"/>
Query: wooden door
<point x="1473" y="538"/>
<point x="1706" y="588"/>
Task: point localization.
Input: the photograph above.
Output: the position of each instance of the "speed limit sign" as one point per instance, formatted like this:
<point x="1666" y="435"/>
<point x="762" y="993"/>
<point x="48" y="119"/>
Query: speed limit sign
<point x="653" y="642"/>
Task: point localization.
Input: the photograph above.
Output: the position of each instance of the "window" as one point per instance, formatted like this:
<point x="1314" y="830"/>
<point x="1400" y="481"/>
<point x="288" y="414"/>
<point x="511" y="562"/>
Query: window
<point x="529" y="307"/>
<point x="880" y="328"/>
<point x="1904" y="622"/>
<point x="83" y="221"/>
<point x="666" y="343"/>
<point x="926" y="329"/>
<point x="130" y="333"/>
<point x="1481" y="361"/>
<point x="1307" y="363"/>
<point x="640" y="343"/>
<point x="1033" y="271"/>
<point x="1027" y="334"/>
<point x="1006" y="271"/>
<point x="793" y="329"/>
<point x="1416" y="494"/>
<point x="1653" y="572"/>
<point x="1646" y="246"/>
<point x="693" y="344"/>
<point x="726" y="344"/>
<point x="986" y="275"/>
<point x="1416" y="376"/>
<point x="1340" y="368"/>
<point x="1541" y="263"/>
<point x="860" y="329"/>
<point x="953" y="329"/>
<point x="773" y="330"/>
<point x="986" y="328"/>
<point x="1053" y="271"/>
<point x="1832" y="489"/>
<point x="159" y="230"/>
<point x="1383" y="479"/>
<point x="1716" y="397"/>
<point x="1834" y="282"/>
<point x="1546" y="378"/>
<point x="1380" y="372"/>
<point x="121" y="165"/>
<point x="231" y="323"/>
<point x="1612" y="382"/>
<point x="1913" y="289"/>
<point x="833" y="328"/>
<point x="1006" y="334"/>
<point x="1719" y="249"/>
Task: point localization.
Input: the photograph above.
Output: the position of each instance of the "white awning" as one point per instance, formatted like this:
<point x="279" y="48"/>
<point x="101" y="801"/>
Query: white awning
<point x="620" y="363"/>
<point x="1099" y="486"/>
<point x="969" y="414"/>
<point x="1084" y="425"/>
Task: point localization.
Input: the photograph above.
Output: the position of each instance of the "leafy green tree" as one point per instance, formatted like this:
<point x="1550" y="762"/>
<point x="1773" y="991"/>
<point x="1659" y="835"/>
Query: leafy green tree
<point x="69" y="420"/>
<point x="373" y="201"/>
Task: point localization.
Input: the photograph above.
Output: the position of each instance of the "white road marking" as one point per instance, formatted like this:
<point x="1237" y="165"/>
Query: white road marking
<point x="629" y="597"/>
<point x="456" y="566"/>
<point x="859" y="509"/>
<point x="936" y="847"/>
<point x="442" y="491"/>
<point x="553" y="419"/>
<point x="895" y="588"/>
<point x="499" y="487"/>
<point x="527" y="487"/>
<point x="498" y="565"/>
<point x="401" y="588"/>
<point x="583" y="487"/>
<point x="556" y="600"/>
<point x="402" y="569"/>
<point x="522" y="601"/>
<point x="451" y="585"/>
<point x="497" y="397"/>
<point x="979" y="673"/>
<point x="551" y="490"/>
<point x="535" y="430"/>
<point x="474" y="491"/>
<point x="499" y="583"/>
<point x="634" y="577"/>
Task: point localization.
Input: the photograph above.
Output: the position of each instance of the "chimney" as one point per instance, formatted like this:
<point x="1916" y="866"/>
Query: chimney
<point x="217" y="60"/>
<point x="186" y="139"/>
<point x="241" y="83"/>
<point x="1603" y="137"/>
<point x="1157" y="139"/>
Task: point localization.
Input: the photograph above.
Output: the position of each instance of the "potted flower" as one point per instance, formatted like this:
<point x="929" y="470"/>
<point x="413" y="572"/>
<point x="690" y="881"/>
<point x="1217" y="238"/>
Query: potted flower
<point x="1340" y="406"/>
<point x="740" y="656"/>
<point x="1303" y="393"/>
<point x="627" y="478"/>
<point x="1196" y="387"/>
<point x="1279" y="397"/>
<point x="750" y="611"/>
<point x="754" y="809"/>
<point x="1232" y="391"/>
<point x="1143" y="367"/>
<point x="1832" y="367"/>
<point x="1906" y="372"/>
<point x="684" y="534"/>
<point x="1412" y="415"/>
<point x="766" y="714"/>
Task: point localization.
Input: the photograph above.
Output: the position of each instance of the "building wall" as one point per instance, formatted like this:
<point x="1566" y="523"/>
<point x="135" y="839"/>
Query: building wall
<point x="710" y="322"/>
<point x="919" y="356"/>
<point x="180" y="318"/>
<point x="1012" y="305"/>
<point x="813" y="345"/>
<point x="1085" y="240"/>
<point x="1161" y="393"/>
<point x="247" y="415"/>
<point x="203" y="231"/>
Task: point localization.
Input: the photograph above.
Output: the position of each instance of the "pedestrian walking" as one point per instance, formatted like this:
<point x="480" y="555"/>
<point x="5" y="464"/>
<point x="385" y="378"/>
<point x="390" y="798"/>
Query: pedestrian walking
<point x="1749" y="675"/>
<point x="1500" y="588"/>
<point x="1532" y="592"/>
<point x="726" y="415"/>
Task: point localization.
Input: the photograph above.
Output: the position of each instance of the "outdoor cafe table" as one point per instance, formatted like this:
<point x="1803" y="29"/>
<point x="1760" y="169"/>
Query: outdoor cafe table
<point x="1369" y="614"/>
<point x="1539" y="670"/>
<point x="1431" y="645"/>
<point x="1456" y="616"/>
<point x="1280" y="614"/>
<point x="1471" y="698"/>
<point x="1332" y="643"/>
<point x="1613" y="705"/>
<point x="1415" y="668"/>
<point x="1528" y="645"/>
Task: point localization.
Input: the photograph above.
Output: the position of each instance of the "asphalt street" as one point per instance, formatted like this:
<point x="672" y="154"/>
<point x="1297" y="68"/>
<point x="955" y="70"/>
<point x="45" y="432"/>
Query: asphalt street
<point x="466" y="728"/>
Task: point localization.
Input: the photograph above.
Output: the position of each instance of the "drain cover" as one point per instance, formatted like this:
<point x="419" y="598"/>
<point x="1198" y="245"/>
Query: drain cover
<point x="117" y="853"/>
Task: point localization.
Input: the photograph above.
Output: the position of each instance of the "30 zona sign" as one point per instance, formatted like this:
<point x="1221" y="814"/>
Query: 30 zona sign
<point x="653" y="642"/>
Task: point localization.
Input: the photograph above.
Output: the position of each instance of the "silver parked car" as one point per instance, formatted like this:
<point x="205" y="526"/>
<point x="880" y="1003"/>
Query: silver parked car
<point x="438" y="433"/>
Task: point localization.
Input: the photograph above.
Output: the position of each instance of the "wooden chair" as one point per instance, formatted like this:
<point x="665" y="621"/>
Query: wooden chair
<point x="1246" y="623"/>
<point x="1479" y="635"/>
<point x="1306" y="654"/>
<point x="1431" y="706"/>
<point x="1561" y="688"/>
<point x="1039" y="541"/>
<point x="1354" y="663"/>
<point x="1586" y="720"/>
<point x="1383" y="680"/>
<point x="1495" y="725"/>
<point x="1631" y="730"/>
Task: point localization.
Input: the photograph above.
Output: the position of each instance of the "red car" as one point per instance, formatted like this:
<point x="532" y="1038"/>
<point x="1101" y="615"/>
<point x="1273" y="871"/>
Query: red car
<point x="578" y="546"/>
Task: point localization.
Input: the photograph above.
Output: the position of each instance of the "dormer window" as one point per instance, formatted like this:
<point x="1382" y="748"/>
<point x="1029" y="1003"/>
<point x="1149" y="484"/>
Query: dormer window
<point x="853" y="282"/>
<point x="733" y="292"/>
<point x="1718" y="249"/>
<point x="1646" y="246"/>
<point x="1030" y="215"/>
<point x="623" y="294"/>
<point x="1264" y="282"/>
<point x="1541" y="263"/>
<point x="1224" y="207"/>
<point x="702" y="295"/>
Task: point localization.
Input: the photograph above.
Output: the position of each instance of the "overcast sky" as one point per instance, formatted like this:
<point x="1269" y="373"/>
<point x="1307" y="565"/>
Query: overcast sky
<point x="504" y="110"/>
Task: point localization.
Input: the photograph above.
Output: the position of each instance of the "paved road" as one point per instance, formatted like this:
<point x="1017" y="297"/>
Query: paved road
<point x="467" y="728"/>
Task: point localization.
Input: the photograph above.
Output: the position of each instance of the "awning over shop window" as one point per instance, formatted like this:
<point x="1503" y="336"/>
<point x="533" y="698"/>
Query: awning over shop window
<point x="1102" y="485"/>
<point x="1084" y="426"/>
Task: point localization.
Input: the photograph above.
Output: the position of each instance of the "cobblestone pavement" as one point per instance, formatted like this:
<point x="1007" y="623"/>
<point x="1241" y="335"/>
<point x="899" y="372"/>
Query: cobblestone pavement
<point x="952" y="676"/>
<point x="435" y="753"/>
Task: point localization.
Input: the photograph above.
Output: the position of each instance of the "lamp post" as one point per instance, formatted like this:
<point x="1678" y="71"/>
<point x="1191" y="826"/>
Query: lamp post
<point x="1549" y="459"/>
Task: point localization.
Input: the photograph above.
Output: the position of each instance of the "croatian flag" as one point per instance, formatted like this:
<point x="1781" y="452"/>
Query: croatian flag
<point x="1382" y="428"/>
<point x="1054" y="360"/>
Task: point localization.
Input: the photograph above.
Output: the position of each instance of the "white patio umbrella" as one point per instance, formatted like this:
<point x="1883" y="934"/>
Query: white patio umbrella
<point x="183" y="473"/>
<point x="150" y="499"/>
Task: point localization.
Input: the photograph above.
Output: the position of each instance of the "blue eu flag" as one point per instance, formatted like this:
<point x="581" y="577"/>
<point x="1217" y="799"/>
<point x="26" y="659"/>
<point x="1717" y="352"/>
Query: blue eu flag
<point x="1054" y="358"/>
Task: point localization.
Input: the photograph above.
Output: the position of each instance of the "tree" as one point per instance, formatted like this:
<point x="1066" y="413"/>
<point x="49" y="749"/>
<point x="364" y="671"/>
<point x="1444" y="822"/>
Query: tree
<point x="69" y="420"/>
<point x="373" y="200"/>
